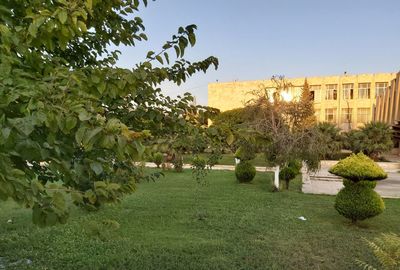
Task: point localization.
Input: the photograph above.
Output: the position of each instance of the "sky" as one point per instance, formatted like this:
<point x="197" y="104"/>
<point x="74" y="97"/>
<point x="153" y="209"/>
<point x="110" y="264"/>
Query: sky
<point x="256" y="39"/>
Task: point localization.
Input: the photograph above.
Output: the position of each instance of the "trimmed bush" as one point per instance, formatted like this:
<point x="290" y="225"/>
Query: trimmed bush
<point x="295" y="165"/>
<point x="358" y="168"/>
<point x="245" y="172"/>
<point x="158" y="159"/>
<point x="287" y="174"/>
<point x="359" y="201"/>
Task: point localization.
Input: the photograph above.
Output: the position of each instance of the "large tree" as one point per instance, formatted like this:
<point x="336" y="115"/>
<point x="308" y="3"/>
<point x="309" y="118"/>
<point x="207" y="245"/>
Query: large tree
<point x="285" y="128"/>
<point x="71" y="121"/>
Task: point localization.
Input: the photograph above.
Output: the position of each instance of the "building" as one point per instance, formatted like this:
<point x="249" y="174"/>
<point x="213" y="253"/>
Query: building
<point x="387" y="107"/>
<point x="347" y="101"/>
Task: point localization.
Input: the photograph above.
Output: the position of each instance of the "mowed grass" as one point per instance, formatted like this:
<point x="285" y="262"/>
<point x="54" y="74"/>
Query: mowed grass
<point x="173" y="224"/>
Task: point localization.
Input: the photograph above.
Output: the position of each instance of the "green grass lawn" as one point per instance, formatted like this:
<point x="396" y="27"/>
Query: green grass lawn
<point x="171" y="224"/>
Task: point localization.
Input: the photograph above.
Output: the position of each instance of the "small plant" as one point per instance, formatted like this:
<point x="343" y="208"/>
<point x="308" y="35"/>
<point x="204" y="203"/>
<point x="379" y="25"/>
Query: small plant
<point x="287" y="174"/>
<point x="386" y="250"/>
<point x="358" y="200"/>
<point x="245" y="171"/>
<point x="158" y="159"/>
<point x="290" y="171"/>
<point x="199" y="169"/>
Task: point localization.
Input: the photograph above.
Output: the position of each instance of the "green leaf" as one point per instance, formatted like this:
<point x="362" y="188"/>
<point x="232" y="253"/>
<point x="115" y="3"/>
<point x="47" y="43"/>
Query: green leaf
<point x="84" y="116"/>
<point x="230" y="139"/>
<point x="70" y="122"/>
<point x="91" y="196"/>
<point x="32" y="29"/>
<point x="166" y="56"/>
<point x="59" y="201"/>
<point x="159" y="59"/>
<point x="77" y="197"/>
<point x="177" y="50"/>
<point x="192" y="39"/>
<point x="80" y="134"/>
<point x="62" y="16"/>
<point x="96" y="167"/>
<point x="150" y="54"/>
<point x="82" y="26"/>
<point x="90" y="135"/>
<point x="24" y="125"/>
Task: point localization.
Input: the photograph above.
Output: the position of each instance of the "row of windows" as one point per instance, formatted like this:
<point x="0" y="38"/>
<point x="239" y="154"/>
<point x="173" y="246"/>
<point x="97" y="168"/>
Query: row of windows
<point x="364" y="90"/>
<point x="347" y="115"/>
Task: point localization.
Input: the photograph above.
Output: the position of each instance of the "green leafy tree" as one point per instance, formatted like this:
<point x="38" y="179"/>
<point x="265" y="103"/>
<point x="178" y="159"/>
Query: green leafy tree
<point x="281" y="132"/>
<point x="301" y="112"/>
<point x="373" y="139"/>
<point x="71" y="122"/>
<point x="330" y="139"/>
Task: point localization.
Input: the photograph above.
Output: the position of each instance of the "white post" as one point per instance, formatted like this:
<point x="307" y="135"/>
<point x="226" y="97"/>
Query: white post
<point x="305" y="175"/>
<point x="276" y="178"/>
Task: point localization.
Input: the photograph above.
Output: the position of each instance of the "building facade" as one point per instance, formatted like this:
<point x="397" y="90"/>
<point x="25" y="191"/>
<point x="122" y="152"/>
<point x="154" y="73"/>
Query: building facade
<point x="348" y="101"/>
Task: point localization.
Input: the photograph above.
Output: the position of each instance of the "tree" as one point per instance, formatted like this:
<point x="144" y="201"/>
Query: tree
<point x="330" y="138"/>
<point x="373" y="139"/>
<point x="71" y="122"/>
<point x="282" y="131"/>
<point x="301" y="112"/>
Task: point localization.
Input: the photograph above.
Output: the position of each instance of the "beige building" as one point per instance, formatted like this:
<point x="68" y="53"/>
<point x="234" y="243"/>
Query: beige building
<point x="347" y="100"/>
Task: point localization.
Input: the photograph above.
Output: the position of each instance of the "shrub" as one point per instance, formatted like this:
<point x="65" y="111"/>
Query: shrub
<point x="331" y="139"/>
<point x="295" y="165"/>
<point x="358" y="201"/>
<point x="287" y="174"/>
<point x="158" y="159"/>
<point x="373" y="139"/>
<point x="245" y="172"/>
<point x="358" y="167"/>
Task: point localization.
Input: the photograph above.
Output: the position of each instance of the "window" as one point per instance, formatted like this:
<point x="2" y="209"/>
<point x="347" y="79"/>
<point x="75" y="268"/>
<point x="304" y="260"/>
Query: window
<point x="348" y="91"/>
<point x="380" y="88"/>
<point x="330" y="115"/>
<point x="315" y="91"/>
<point x="364" y="90"/>
<point x="363" y="115"/>
<point x="331" y="92"/>
<point x="347" y="115"/>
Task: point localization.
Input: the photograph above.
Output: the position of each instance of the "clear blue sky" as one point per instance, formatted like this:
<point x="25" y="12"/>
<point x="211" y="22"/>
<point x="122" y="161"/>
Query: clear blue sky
<point x="256" y="39"/>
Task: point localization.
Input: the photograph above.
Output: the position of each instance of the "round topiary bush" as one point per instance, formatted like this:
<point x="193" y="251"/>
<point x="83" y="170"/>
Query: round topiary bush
<point x="287" y="174"/>
<point x="358" y="200"/>
<point x="245" y="172"/>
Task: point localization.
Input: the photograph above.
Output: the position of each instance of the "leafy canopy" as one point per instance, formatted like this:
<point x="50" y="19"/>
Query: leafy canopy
<point x="71" y="122"/>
